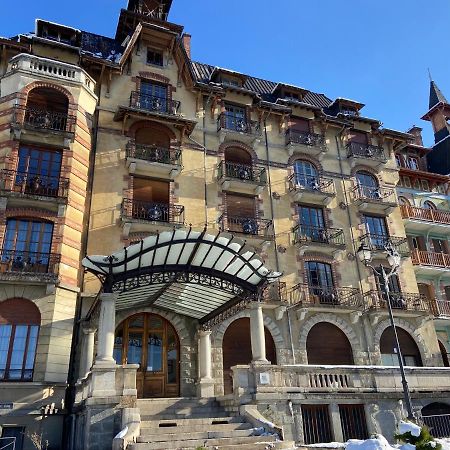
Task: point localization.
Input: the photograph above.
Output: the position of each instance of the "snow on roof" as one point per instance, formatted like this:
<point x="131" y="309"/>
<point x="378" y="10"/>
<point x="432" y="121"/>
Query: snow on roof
<point x="57" y="24"/>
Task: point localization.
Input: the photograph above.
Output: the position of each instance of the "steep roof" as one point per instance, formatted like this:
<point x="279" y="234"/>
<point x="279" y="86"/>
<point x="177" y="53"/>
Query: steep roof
<point x="436" y="96"/>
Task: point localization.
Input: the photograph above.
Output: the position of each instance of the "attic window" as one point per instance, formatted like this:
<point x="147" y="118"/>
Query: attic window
<point x="231" y="82"/>
<point x="292" y="96"/>
<point x="348" y="111"/>
<point x="58" y="34"/>
<point x="155" y="57"/>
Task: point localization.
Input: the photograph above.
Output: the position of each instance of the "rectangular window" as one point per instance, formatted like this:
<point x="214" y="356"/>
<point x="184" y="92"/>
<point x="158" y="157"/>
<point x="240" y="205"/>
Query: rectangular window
<point x="412" y="163"/>
<point x="151" y="200"/>
<point x="425" y="185"/>
<point x="353" y="422"/>
<point x="235" y="118"/>
<point x="155" y="57"/>
<point x="399" y="160"/>
<point x="312" y="224"/>
<point x="316" y="424"/>
<point x="153" y="97"/>
<point x="13" y="437"/>
<point x="406" y="181"/>
<point x="299" y="125"/>
<point x="319" y="274"/>
<point x="359" y="137"/>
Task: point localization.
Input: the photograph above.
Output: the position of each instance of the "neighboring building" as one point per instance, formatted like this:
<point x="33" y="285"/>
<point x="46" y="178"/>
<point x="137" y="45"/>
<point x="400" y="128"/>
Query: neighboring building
<point x="187" y="161"/>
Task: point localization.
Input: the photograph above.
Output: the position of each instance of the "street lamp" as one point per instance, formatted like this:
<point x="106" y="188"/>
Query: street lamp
<point x="364" y="254"/>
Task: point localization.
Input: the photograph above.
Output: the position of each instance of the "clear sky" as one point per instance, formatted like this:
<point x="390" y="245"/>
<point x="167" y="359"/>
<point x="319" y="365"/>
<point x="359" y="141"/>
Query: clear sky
<point x="375" y="52"/>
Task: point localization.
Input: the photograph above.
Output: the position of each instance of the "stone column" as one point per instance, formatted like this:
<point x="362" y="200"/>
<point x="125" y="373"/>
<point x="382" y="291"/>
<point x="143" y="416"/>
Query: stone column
<point x="104" y="369"/>
<point x="205" y="383"/>
<point x="87" y="355"/>
<point x="257" y="334"/>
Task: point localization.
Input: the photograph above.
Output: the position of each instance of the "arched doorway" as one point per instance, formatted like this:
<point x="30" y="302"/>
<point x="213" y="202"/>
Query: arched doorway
<point x="152" y="342"/>
<point x="444" y="354"/>
<point x="410" y="351"/>
<point x="327" y="344"/>
<point x="237" y="349"/>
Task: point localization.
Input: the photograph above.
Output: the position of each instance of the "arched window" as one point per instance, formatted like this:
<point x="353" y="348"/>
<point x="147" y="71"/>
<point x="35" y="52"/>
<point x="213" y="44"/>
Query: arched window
<point x="237" y="155"/>
<point x="429" y="205"/>
<point x="19" y="328"/>
<point x="403" y="201"/>
<point x="327" y="344"/>
<point x="306" y="174"/>
<point x="368" y="185"/>
<point x="435" y="417"/>
<point x="444" y="354"/>
<point x="410" y="351"/>
<point x="152" y="136"/>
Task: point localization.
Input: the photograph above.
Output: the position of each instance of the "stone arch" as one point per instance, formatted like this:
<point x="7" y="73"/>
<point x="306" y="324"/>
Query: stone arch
<point x="142" y="124"/>
<point x="403" y="200"/>
<point x="428" y="204"/>
<point x="424" y="353"/>
<point x="41" y="84"/>
<point x="19" y="311"/>
<point x="301" y="157"/>
<point x="240" y="145"/>
<point x="341" y="323"/>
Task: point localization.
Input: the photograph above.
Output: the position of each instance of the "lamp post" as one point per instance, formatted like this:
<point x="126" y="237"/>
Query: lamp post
<point x="364" y="253"/>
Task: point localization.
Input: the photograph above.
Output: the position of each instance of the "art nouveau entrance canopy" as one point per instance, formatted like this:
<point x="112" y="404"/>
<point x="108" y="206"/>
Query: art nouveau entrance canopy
<point x="193" y="273"/>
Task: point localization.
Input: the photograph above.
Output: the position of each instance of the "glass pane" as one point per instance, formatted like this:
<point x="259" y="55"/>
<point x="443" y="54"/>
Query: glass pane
<point x="154" y="352"/>
<point x="18" y="352"/>
<point x="172" y="357"/>
<point x="5" y="334"/>
<point x="137" y="322"/>
<point x="134" y="355"/>
<point x="118" y="343"/>
<point x="155" y="323"/>
<point x="31" y="353"/>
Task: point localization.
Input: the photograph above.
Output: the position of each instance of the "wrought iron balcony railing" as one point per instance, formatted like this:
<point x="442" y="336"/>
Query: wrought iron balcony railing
<point x="305" y="295"/>
<point x="382" y="242"/>
<point x="399" y="300"/>
<point x="357" y="150"/>
<point x="33" y="184"/>
<point x="242" y="172"/>
<point x="153" y="153"/>
<point x="304" y="138"/>
<point x="146" y="102"/>
<point x="433" y="259"/>
<point x="428" y="215"/>
<point x="329" y="236"/>
<point x="152" y="211"/>
<point x="250" y="226"/>
<point x="28" y="263"/>
<point x="276" y="291"/>
<point x="317" y="184"/>
<point x="241" y="125"/>
<point x="43" y="119"/>
<point x="374" y="194"/>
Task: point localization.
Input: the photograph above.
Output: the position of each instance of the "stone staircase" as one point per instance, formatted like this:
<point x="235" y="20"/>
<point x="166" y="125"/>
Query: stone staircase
<point x="193" y="424"/>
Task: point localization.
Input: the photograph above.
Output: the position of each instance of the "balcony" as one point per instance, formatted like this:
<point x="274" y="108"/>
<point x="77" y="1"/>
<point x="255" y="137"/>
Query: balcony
<point x="305" y="142"/>
<point x="372" y="155"/>
<point x="275" y="292"/>
<point x="153" y="104"/>
<point x="400" y="302"/>
<point x="325" y="297"/>
<point x="374" y="199"/>
<point x="33" y="186"/>
<point x="430" y="263"/>
<point x="314" y="190"/>
<point x="378" y="243"/>
<point x="142" y="216"/>
<point x="441" y="308"/>
<point x="241" y="178"/>
<point x="321" y="239"/>
<point x="28" y="266"/>
<point x="424" y="220"/>
<point x="30" y="118"/>
<point x="251" y="229"/>
<point x="231" y="128"/>
<point x="152" y="160"/>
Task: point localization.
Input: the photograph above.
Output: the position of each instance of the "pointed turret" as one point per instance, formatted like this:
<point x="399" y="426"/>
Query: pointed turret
<point x="436" y="96"/>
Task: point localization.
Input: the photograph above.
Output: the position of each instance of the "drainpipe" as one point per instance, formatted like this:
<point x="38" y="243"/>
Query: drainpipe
<point x="349" y="217"/>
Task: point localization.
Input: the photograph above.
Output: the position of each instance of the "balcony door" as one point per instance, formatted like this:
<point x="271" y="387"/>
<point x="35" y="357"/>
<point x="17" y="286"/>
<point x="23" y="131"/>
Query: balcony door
<point x="151" y="200"/>
<point x="153" y="96"/>
<point x="320" y="281"/>
<point x="27" y="245"/>
<point x="312" y="224"/>
<point x="306" y="175"/>
<point x="241" y="214"/>
<point x="394" y="289"/>
<point x="377" y="229"/>
<point x="368" y="185"/>
<point x="235" y="118"/>
<point x="151" y="342"/>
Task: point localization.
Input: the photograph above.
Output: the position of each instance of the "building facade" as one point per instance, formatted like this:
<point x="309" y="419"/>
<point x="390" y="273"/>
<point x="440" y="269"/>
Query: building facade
<point x="126" y="147"/>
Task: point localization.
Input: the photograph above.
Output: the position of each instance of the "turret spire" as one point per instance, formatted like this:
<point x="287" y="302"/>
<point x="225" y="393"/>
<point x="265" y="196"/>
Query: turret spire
<point x="436" y="96"/>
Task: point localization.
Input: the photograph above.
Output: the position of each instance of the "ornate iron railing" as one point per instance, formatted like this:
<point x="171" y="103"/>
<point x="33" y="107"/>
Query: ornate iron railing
<point x="276" y="291"/>
<point x="154" y="153"/>
<point x="33" y="184"/>
<point x="440" y="307"/>
<point x="250" y="226"/>
<point x="424" y="258"/>
<point x="228" y="121"/>
<point x="305" y="295"/>
<point x="320" y="235"/>
<point x="152" y="103"/>
<point x="305" y="138"/>
<point x="374" y="194"/>
<point x="317" y="184"/>
<point x="152" y="211"/>
<point x="28" y="263"/>
<point x="382" y="242"/>
<point x="429" y="215"/>
<point x="44" y="119"/>
<point x="399" y="300"/>
<point x="357" y="150"/>
<point x="242" y="172"/>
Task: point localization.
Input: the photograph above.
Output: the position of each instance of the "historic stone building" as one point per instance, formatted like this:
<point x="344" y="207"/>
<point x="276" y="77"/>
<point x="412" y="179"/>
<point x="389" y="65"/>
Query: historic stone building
<point x="232" y="209"/>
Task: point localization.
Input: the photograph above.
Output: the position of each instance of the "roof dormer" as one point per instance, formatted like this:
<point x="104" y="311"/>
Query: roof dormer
<point x="346" y="107"/>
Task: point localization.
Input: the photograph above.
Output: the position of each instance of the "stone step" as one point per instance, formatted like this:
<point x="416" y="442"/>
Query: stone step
<point x="156" y="402"/>
<point x="193" y="435"/>
<point x="181" y="410"/>
<point x="153" y="429"/>
<point x="184" y="415"/>
<point x="194" y="444"/>
<point x="188" y="422"/>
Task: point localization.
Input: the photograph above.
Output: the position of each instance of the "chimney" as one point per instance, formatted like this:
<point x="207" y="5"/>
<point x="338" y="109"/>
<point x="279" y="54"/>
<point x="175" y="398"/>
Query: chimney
<point x="187" y="44"/>
<point x="417" y="133"/>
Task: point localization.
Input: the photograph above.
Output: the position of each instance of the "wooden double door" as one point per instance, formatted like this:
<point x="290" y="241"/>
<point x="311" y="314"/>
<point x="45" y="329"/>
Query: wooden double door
<point x="152" y="342"/>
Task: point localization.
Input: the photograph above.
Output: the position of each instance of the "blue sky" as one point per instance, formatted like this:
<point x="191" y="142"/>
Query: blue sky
<point x="374" y="52"/>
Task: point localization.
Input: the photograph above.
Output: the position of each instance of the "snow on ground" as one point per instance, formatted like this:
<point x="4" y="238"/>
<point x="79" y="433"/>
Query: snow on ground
<point x="404" y="427"/>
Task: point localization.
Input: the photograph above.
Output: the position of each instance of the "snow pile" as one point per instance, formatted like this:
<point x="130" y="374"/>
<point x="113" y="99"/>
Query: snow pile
<point x="378" y="442"/>
<point x="404" y="427"/>
<point x="444" y="442"/>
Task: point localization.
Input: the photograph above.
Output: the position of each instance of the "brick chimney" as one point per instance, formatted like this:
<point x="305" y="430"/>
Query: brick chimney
<point x="417" y="133"/>
<point x="187" y="44"/>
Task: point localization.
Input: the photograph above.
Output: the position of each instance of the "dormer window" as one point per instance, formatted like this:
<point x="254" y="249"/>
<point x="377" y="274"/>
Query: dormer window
<point x="412" y="162"/>
<point x="155" y="57"/>
<point x="347" y="111"/>
<point x="228" y="81"/>
<point x="292" y="96"/>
